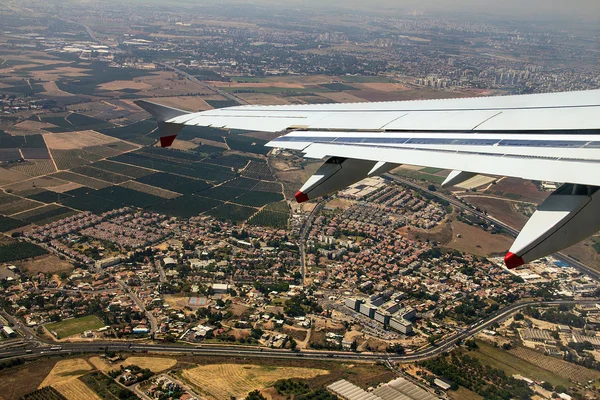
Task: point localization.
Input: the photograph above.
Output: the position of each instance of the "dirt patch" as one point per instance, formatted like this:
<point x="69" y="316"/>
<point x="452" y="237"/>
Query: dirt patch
<point x="474" y="240"/>
<point x="500" y="209"/>
<point x="297" y="333"/>
<point x="120" y="85"/>
<point x="77" y="140"/>
<point x="50" y="88"/>
<point x="183" y="145"/>
<point x="17" y="382"/>
<point x="45" y="264"/>
<point x="382" y="86"/>
<point x="441" y="233"/>
<point x="262" y="99"/>
<point x="343" y="204"/>
<point x="520" y="189"/>
<point x="66" y="187"/>
<point x="341" y="97"/>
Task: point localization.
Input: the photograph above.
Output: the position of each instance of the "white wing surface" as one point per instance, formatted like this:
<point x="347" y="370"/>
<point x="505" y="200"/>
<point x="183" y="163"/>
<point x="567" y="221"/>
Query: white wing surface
<point x="544" y="137"/>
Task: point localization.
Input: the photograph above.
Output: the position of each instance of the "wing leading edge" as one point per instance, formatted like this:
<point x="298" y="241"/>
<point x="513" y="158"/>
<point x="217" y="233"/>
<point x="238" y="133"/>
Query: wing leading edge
<point x="545" y="137"/>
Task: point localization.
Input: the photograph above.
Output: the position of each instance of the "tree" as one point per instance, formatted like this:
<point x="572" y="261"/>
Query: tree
<point x="255" y="395"/>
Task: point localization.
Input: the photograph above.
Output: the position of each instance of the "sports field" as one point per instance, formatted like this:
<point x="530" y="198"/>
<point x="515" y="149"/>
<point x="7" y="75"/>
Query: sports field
<point x="75" y="326"/>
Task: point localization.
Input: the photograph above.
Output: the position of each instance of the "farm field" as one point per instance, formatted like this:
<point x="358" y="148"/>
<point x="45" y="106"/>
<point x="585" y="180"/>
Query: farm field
<point x="74" y="326"/>
<point x="122" y="169"/>
<point x="101" y="174"/>
<point x="273" y="215"/>
<point x="8" y="224"/>
<point x="19" y="381"/>
<point x="82" y="180"/>
<point x="512" y="364"/>
<point x="232" y="212"/>
<point x="258" y="199"/>
<point x="223" y="381"/>
<point x="563" y="368"/>
<point x="46" y="214"/>
<point x="65" y="371"/>
<point x="186" y="206"/>
<point x="174" y="183"/>
<point x="419" y="175"/>
<point x="152" y="190"/>
<point x="15" y="251"/>
<point x="105" y="387"/>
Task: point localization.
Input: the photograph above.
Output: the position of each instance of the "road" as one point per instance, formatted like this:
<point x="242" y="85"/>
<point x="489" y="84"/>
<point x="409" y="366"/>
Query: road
<point x="206" y="85"/>
<point x="444" y="344"/>
<point x="514" y="232"/>
<point x="303" y="233"/>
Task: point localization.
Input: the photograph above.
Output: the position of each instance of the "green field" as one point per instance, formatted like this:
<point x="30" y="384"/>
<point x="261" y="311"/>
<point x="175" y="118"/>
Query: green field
<point x="74" y="326"/>
<point x="419" y="175"/>
<point x="511" y="364"/>
<point x="20" y="251"/>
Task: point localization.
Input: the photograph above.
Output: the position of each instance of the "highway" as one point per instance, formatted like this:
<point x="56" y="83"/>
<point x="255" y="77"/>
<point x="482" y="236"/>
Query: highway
<point x="444" y="344"/>
<point x="514" y="232"/>
<point x="206" y="85"/>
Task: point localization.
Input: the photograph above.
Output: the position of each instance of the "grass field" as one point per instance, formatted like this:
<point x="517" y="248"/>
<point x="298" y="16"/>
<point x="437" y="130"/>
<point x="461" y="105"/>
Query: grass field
<point x="223" y="381"/>
<point x="70" y="327"/>
<point x="419" y="175"/>
<point x="512" y="364"/>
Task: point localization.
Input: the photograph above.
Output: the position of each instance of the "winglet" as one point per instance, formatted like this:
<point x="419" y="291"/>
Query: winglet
<point x="168" y="131"/>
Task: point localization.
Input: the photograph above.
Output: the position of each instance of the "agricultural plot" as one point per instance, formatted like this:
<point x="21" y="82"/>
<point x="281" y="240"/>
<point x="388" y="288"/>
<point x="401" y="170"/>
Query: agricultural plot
<point x="34" y="168"/>
<point x="242" y="183"/>
<point x="136" y="133"/>
<point x="221" y="103"/>
<point x="31" y="141"/>
<point x="20" y="251"/>
<point x="232" y="212"/>
<point x="106" y="387"/>
<point x="75" y="326"/>
<point x="247" y="144"/>
<point x="151" y="190"/>
<point x="8" y="224"/>
<point x="563" y="368"/>
<point x="208" y="150"/>
<point x="18" y="206"/>
<point x="210" y="172"/>
<point x="174" y="183"/>
<point x="89" y="202"/>
<point x="186" y="206"/>
<point x="110" y="150"/>
<point x="274" y="215"/>
<point x="259" y="170"/>
<point x="76" y="390"/>
<point x="234" y="161"/>
<point x="193" y="132"/>
<point x="224" y="381"/>
<point x="258" y="199"/>
<point x="45" y="196"/>
<point x="40" y="153"/>
<point x="223" y="193"/>
<point x="70" y="159"/>
<point x="66" y="371"/>
<point x="154" y="364"/>
<point x="338" y="87"/>
<point x="101" y="174"/>
<point x="45" y="393"/>
<point x="80" y="179"/>
<point x="128" y="196"/>
<point x="46" y="214"/>
<point x="84" y="122"/>
<point x="273" y="187"/>
<point x="176" y="156"/>
<point x="122" y="169"/>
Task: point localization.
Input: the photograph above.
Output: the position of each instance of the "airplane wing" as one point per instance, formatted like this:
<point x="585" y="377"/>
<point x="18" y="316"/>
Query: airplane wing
<point x="544" y="137"/>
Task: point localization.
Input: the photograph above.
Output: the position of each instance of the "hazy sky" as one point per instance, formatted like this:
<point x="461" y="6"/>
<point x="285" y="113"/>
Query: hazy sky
<point x="517" y="9"/>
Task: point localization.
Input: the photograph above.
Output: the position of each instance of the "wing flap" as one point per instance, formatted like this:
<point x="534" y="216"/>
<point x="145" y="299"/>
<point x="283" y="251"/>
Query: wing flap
<point x="541" y="169"/>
